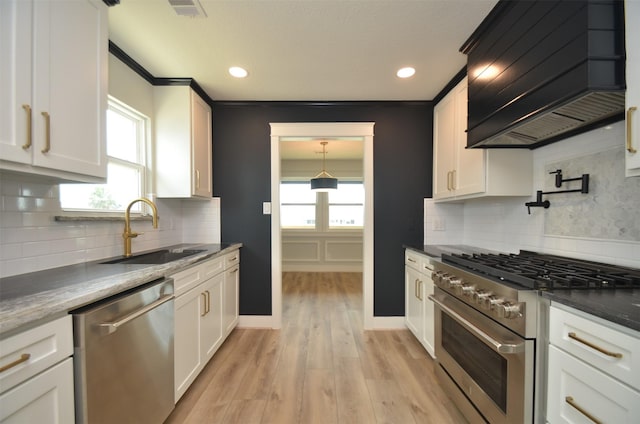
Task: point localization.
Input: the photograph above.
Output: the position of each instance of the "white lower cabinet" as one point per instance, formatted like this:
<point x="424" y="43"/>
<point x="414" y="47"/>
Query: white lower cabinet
<point x="419" y="313"/>
<point x="593" y="372"/>
<point x="36" y="381"/>
<point x="205" y="313"/>
<point x="46" y="398"/>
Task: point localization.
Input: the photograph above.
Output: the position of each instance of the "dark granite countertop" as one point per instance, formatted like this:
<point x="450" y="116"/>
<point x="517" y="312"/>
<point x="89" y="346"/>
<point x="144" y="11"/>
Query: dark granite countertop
<point x="28" y="299"/>
<point x="436" y="250"/>
<point x="618" y="306"/>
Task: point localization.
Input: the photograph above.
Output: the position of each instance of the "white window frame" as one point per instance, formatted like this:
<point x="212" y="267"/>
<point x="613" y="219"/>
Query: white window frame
<point x="143" y="166"/>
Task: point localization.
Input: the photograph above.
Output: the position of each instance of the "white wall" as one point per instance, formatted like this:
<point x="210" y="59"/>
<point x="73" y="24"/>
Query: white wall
<point x="31" y="240"/>
<point x="504" y="225"/>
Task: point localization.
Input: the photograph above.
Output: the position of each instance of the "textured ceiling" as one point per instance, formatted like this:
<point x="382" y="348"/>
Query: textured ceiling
<point x="307" y="50"/>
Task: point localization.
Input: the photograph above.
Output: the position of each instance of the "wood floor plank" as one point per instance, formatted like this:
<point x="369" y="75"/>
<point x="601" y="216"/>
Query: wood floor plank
<point x="354" y="401"/>
<point x="319" y="398"/>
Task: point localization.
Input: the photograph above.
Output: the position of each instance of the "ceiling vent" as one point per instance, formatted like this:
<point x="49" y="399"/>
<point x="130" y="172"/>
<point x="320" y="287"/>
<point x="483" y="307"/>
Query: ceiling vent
<point x="189" y="8"/>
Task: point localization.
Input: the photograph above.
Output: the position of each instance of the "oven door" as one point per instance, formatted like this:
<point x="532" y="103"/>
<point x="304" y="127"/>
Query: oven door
<point x="490" y="364"/>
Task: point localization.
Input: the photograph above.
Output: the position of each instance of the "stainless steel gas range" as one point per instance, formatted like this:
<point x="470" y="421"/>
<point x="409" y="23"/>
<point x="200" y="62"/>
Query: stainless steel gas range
<point x="490" y="326"/>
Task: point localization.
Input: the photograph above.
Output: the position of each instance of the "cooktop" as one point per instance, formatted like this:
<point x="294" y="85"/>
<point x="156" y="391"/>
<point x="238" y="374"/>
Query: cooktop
<point x="547" y="272"/>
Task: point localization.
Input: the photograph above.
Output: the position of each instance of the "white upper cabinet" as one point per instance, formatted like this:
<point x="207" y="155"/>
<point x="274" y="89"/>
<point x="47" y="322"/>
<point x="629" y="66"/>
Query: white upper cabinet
<point x="53" y="88"/>
<point x="460" y="173"/>
<point x="632" y="17"/>
<point x="183" y="143"/>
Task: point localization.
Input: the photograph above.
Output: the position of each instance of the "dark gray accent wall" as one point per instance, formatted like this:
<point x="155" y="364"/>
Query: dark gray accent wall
<point x="402" y="178"/>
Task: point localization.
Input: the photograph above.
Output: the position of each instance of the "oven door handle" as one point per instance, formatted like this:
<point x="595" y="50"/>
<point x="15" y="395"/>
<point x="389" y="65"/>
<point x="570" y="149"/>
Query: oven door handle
<point x="502" y="348"/>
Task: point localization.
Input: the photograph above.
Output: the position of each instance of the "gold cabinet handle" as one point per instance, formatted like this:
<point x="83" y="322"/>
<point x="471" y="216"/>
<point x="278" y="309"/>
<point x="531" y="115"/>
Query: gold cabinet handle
<point x="575" y="337"/>
<point x="580" y="409"/>
<point x="411" y="260"/>
<point x="197" y="179"/>
<point x="449" y="180"/>
<point x="208" y="301"/>
<point x="415" y="288"/>
<point x="420" y="290"/>
<point x="233" y="271"/>
<point x="453" y="179"/>
<point x="47" y="132"/>
<point x="28" y="143"/>
<point x="204" y="295"/>
<point x="630" y="148"/>
<point x="23" y="358"/>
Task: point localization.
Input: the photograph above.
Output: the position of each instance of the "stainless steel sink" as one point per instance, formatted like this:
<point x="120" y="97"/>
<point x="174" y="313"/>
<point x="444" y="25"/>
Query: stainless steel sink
<point x="155" y="258"/>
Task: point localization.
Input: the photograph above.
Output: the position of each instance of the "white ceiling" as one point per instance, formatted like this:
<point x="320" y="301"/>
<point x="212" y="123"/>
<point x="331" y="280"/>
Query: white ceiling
<point x="322" y="50"/>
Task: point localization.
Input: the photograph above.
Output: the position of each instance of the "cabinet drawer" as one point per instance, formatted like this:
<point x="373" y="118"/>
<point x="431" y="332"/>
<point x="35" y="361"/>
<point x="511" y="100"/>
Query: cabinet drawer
<point x="187" y="279"/>
<point x="41" y="347"/>
<point x="231" y="259"/>
<point x="213" y="267"/>
<point x="576" y="389"/>
<point x="412" y="259"/>
<point x="602" y="346"/>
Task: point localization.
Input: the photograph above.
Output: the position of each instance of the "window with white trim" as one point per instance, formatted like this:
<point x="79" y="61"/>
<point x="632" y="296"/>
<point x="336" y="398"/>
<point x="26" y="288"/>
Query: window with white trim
<point x="302" y="208"/>
<point x="126" y="166"/>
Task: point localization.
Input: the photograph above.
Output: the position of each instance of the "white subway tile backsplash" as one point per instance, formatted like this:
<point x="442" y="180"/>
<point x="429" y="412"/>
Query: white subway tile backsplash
<point x="30" y="239"/>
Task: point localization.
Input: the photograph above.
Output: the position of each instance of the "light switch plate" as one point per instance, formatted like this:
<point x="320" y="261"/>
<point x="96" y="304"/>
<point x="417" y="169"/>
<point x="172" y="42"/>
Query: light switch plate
<point x="266" y="208"/>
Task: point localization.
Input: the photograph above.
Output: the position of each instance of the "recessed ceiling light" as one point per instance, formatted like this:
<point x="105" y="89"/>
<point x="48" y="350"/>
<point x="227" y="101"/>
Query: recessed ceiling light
<point x="405" y="72"/>
<point x="238" y="72"/>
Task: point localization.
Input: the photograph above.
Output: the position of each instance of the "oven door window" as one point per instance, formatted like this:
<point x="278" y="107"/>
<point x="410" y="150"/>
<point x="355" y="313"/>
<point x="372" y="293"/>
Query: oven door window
<point x="487" y="368"/>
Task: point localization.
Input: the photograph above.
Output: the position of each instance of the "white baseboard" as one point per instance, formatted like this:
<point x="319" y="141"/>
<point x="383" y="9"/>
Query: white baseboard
<point x="255" y="321"/>
<point x="389" y="323"/>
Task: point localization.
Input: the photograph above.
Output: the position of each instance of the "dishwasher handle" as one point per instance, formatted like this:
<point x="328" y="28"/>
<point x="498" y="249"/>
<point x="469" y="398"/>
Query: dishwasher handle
<point x="111" y="327"/>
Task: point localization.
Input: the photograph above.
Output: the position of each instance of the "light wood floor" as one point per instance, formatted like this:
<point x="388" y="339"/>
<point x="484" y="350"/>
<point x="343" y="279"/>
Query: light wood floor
<point x="320" y="368"/>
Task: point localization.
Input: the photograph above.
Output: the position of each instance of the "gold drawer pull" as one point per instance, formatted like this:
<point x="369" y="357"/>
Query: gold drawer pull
<point x="27" y="145"/>
<point x="630" y="148"/>
<point x="204" y="304"/>
<point x="580" y="409"/>
<point x="23" y="358"/>
<point x="575" y="337"/>
<point x="47" y="131"/>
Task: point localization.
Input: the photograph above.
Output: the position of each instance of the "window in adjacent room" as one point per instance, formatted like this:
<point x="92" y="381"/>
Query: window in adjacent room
<point x="297" y="205"/>
<point x="126" y="166"/>
<point x="346" y="205"/>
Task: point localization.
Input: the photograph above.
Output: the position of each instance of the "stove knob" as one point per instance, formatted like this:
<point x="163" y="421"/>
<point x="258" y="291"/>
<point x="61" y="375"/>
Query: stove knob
<point x="492" y="302"/>
<point x="438" y="276"/>
<point x="480" y="296"/>
<point x="465" y="289"/>
<point x="508" y="310"/>
<point x="454" y="283"/>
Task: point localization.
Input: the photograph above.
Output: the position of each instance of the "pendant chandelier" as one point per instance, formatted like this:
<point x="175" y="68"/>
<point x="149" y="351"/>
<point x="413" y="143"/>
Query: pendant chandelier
<point x="324" y="181"/>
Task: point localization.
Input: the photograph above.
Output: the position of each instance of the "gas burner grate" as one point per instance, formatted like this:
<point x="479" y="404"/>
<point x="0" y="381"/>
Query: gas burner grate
<point x="547" y="272"/>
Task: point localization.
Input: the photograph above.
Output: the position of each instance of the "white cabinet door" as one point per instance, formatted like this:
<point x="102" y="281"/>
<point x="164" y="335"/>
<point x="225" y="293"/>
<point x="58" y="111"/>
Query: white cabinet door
<point x="428" y="332"/>
<point x="444" y="146"/>
<point x="15" y="80"/>
<point x="187" y="344"/>
<point x="469" y="165"/>
<point x="45" y="398"/>
<point x="230" y="304"/>
<point x="414" y="315"/>
<point x="183" y="143"/>
<point x="59" y="125"/>
<point x="632" y="17"/>
<point x="201" y="145"/>
<point x="211" y="327"/>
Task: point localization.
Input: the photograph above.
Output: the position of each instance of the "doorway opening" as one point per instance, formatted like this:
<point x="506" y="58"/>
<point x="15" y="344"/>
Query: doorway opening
<point x="361" y="132"/>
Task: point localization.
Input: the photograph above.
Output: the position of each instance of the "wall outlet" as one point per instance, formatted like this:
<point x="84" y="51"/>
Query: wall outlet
<point x="438" y="224"/>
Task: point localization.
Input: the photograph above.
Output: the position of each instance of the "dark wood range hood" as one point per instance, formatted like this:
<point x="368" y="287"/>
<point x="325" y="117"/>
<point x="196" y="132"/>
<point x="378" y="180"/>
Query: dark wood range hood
<point x="541" y="71"/>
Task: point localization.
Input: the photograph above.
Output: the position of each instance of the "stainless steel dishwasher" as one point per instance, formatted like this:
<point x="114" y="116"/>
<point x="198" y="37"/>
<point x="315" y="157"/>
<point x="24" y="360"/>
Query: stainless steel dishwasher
<point x="123" y="357"/>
